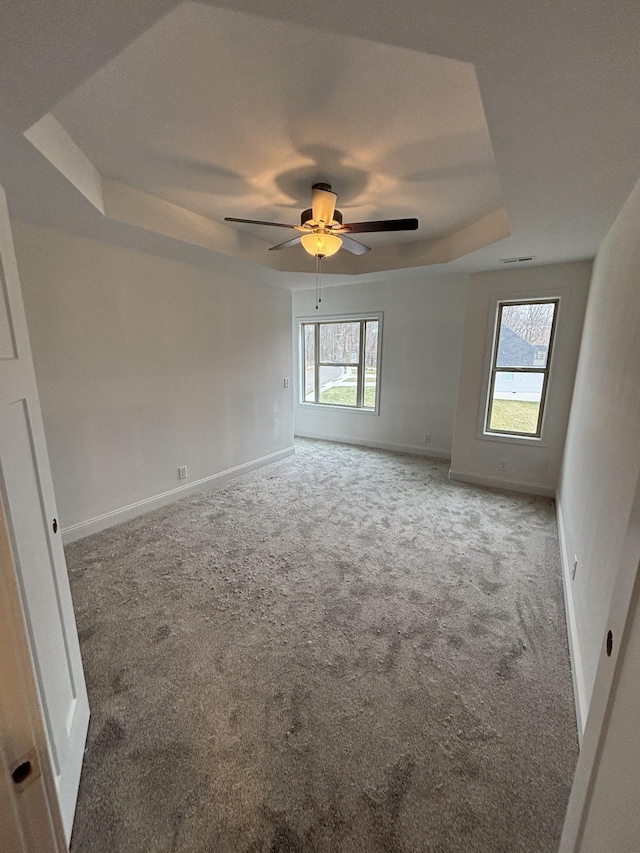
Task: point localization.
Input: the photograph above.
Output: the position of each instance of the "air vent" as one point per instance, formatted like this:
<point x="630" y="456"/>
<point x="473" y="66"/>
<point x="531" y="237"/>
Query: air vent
<point x="524" y="260"/>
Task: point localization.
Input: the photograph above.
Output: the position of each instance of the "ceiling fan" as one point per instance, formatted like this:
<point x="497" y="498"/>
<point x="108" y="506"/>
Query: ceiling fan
<point x="323" y="232"/>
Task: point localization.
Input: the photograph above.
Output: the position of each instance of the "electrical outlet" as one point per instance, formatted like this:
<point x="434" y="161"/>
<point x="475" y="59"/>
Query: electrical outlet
<point x="286" y="383"/>
<point x="427" y="437"/>
<point x="575" y="566"/>
<point x="503" y="466"/>
<point x="182" y="472"/>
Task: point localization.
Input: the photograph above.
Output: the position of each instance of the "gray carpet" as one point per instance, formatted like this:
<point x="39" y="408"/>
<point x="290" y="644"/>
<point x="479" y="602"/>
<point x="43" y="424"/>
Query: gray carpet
<point x="340" y="652"/>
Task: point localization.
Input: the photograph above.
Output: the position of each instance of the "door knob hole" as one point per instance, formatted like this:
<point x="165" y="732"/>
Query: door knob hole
<point x="609" y="643"/>
<point x="21" y="772"/>
<point x="55" y="525"/>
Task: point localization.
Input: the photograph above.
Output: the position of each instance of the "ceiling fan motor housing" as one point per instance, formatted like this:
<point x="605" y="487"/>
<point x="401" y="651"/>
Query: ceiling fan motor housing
<point x="306" y="218"/>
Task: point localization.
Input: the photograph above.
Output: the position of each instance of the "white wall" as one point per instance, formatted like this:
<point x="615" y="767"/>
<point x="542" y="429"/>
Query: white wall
<point x="602" y="457"/>
<point x="532" y="466"/>
<point x="421" y="345"/>
<point x="144" y="364"/>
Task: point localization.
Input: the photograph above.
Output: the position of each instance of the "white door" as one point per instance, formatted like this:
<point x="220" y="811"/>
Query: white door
<point x="604" y="806"/>
<point x="30" y="819"/>
<point x="29" y="504"/>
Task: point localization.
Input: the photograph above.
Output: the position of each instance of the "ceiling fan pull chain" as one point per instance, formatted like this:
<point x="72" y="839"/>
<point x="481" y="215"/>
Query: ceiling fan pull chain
<point x="318" y="281"/>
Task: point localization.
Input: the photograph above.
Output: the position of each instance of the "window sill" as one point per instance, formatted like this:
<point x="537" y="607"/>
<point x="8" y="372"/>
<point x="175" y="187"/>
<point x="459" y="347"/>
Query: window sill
<point x="331" y="407"/>
<point x="506" y="438"/>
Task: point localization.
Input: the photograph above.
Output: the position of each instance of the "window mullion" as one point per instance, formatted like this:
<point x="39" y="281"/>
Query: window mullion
<point x="360" y="378"/>
<point x="303" y="362"/>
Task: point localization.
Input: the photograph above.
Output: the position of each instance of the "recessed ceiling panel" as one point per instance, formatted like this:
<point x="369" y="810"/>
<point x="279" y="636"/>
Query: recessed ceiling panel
<point x="229" y="114"/>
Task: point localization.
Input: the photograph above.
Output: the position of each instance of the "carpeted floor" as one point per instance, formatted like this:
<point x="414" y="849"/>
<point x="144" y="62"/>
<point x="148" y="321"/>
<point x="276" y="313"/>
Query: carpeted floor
<point x="341" y="652"/>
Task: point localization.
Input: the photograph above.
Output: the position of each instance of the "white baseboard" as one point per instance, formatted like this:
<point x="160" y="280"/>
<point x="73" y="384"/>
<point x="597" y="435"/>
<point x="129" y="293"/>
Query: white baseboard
<point x="500" y="483"/>
<point x="414" y="449"/>
<point x="117" y="516"/>
<point x="577" y="672"/>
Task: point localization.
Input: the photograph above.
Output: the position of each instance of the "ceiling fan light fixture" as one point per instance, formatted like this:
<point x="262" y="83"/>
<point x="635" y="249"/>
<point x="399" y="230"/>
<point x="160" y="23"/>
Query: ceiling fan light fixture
<point x="321" y="245"/>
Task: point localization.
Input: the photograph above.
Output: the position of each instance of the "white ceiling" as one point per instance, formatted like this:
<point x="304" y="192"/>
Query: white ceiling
<point x="185" y="115"/>
<point x="235" y="114"/>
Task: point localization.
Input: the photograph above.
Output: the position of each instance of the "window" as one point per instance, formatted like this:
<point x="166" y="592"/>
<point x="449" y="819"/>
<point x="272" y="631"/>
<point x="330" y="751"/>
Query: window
<point x="340" y="362"/>
<point x="520" y="367"/>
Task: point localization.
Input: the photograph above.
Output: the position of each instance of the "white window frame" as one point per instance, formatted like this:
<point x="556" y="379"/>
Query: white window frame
<point x="362" y="318"/>
<point x="494" y="369"/>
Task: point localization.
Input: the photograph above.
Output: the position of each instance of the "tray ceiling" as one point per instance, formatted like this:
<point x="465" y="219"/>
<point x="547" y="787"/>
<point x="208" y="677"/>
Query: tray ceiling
<point x="227" y="114"/>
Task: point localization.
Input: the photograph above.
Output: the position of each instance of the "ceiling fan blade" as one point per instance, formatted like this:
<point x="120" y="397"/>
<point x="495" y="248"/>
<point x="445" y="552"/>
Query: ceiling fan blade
<point x="353" y="246"/>
<point x="287" y="243"/>
<point x="257" y="222"/>
<point x="380" y="225"/>
<point x="323" y="204"/>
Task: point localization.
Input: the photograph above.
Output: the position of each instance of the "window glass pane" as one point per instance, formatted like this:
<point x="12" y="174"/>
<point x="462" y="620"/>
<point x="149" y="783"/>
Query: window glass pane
<point x="370" y="363"/>
<point x="309" y="363"/>
<point x="339" y="385"/>
<point x="525" y="334"/>
<point x="340" y="342"/>
<point x="516" y="402"/>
